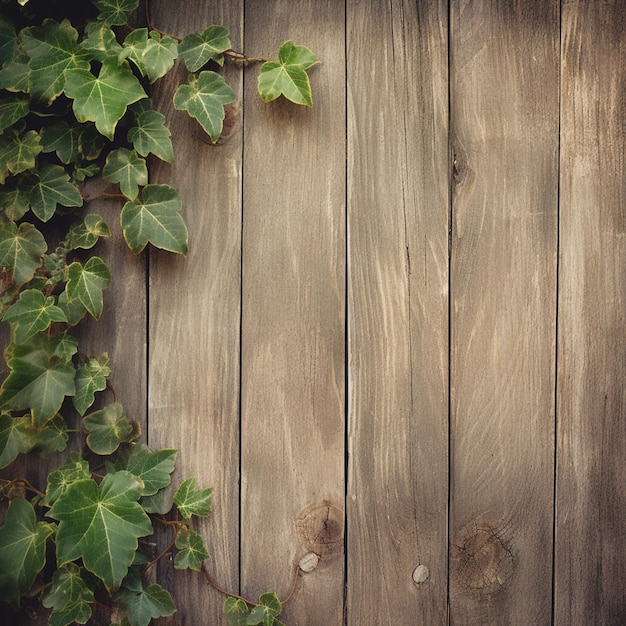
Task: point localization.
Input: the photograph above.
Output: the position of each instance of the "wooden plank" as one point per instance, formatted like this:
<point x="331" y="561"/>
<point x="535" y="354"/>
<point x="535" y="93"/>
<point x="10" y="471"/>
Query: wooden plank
<point x="591" y="499"/>
<point x="398" y="310"/>
<point x="293" y="318"/>
<point x="504" y="116"/>
<point x="194" y="319"/>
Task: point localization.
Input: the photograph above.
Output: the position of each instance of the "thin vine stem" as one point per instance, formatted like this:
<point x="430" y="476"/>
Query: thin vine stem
<point x="25" y="483"/>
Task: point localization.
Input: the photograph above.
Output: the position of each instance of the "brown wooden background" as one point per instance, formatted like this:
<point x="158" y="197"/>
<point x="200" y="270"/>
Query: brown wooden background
<point x="398" y="339"/>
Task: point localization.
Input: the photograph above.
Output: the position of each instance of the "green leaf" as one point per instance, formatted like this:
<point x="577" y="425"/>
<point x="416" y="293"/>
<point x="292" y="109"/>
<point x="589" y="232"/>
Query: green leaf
<point x="14" y="201"/>
<point x="52" y="187"/>
<point x="101" y="41"/>
<point x="150" y="603"/>
<point x="192" y="550"/>
<point x="237" y="611"/>
<point x="53" y="50"/>
<point x="288" y="77"/>
<point x="61" y="138"/>
<point x="128" y="169"/>
<point x="86" y="234"/>
<point x="73" y="309"/>
<point x="160" y="502"/>
<point x="266" y="610"/>
<point x="61" y="478"/>
<point x="41" y="376"/>
<point x="69" y="597"/>
<point x="153" y="55"/>
<point x="13" y="109"/>
<point x="115" y="12"/>
<point x="90" y="377"/>
<point x="150" y="135"/>
<point x="22" y="550"/>
<point x="204" y="98"/>
<point x="86" y="283"/>
<point x="52" y="437"/>
<point x="21" y="249"/>
<point x="32" y="313"/>
<point x="198" y="49"/>
<point x="155" y="219"/>
<point x="15" y="438"/>
<point x="101" y="524"/>
<point x="191" y="501"/>
<point x="107" y="429"/>
<point x="152" y="468"/>
<point x="18" y="152"/>
<point x="103" y="99"/>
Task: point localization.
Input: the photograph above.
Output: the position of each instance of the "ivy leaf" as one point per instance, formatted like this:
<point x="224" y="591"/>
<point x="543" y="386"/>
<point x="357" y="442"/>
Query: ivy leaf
<point x="61" y="478"/>
<point x="101" y="524"/>
<point x="149" y="603"/>
<point x="52" y="437"/>
<point x="103" y="99"/>
<point x="21" y="249"/>
<point x="128" y="169"/>
<point x="191" y="501"/>
<point x="13" y="109"/>
<point x="150" y="135"/>
<point x="61" y="138"/>
<point x="266" y="610"/>
<point x="107" y="429"/>
<point x="204" y="97"/>
<point x="152" y="468"/>
<point x="237" y="611"/>
<point x="52" y="187"/>
<point x="14" y="438"/>
<point x="288" y="76"/>
<point x="192" y="550"/>
<point x="197" y="49"/>
<point x="114" y="12"/>
<point x="32" y="313"/>
<point x="101" y="41"/>
<point x="90" y="377"/>
<point x="14" y="201"/>
<point x="41" y="376"/>
<point x="86" y="234"/>
<point x="153" y="55"/>
<point x="85" y="283"/>
<point x="22" y="550"/>
<point x="73" y="309"/>
<point x="69" y="597"/>
<point x="160" y="502"/>
<point x="18" y="152"/>
<point x="155" y="219"/>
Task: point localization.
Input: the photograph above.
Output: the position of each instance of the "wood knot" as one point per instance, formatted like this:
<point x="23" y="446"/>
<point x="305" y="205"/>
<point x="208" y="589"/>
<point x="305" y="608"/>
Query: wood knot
<point x="482" y="562"/>
<point x="321" y="527"/>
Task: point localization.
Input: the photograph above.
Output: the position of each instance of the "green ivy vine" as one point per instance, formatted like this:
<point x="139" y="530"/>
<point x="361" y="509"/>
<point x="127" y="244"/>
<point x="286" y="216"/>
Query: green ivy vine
<point x="74" y="104"/>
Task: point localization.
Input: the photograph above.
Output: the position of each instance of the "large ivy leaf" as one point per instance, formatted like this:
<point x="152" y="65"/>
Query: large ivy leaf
<point x="128" y="169"/>
<point x="266" y="610"/>
<point x="150" y="135"/>
<point x="191" y="501"/>
<point x="53" y="49"/>
<point x="22" y="550"/>
<point x="101" y="523"/>
<point x="155" y="219"/>
<point x="107" y="429"/>
<point x="288" y="76"/>
<point x="204" y="97"/>
<point x="86" y="234"/>
<point x="90" y="377"/>
<point x="103" y="99"/>
<point x="197" y="49"/>
<point x="154" y="55"/>
<point x="42" y="374"/>
<point x="69" y="597"/>
<point x="115" y="12"/>
<point x="61" y="478"/>
<point x="18" y="152"/>
<point x="49" y="188"/>
<point x="149" y="603"/>
<point x="86" y="283"/>
<point x="13" y="109"/>
<point x="191" y="550"/>
<point x="237" y="611"/>
<point x="21" y="249"/>
<point x="152" y="468"/>
<point x="32" y="313"/>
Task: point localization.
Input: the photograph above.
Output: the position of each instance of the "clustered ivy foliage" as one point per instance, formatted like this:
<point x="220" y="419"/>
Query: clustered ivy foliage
<point x="74" y="105"/>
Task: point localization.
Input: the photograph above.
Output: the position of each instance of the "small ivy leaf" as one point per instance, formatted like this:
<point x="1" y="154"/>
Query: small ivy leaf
<point x="86" y="234"/>
<point x="192" y="550"/>
<point x="69" y="597"/>
<point x="108" y="429"/>
<point x="191" y="501"/>
<point x="197" y="49"/>
<point x="61" y="138"/>
<point x="50" y="438"/>
<point x="204" y="97"/>
<point x="73" y="309"/>
<point x="103" y="99"/>
<point x="15" y="438"/>
<point x="101" y="523"/>
<point x="42" y="375"/>
<point x="22" y="550"/>
<point x="150" y="603"/>
<point x="150" y="135"/>
<point x="115" y="12"/>
<point x="266" y="610"/>
<point x="128" y="169"/>
<point x="152" y="468"/>
<point x="288" y="77"/>
<point x="61" y="478"/>
<point x="13" y="109"/>
<point x="14" y="202"/>
<point x="86" y="283"/>
<point x="155" y="219"/>
<point x="21" y="249"/>
<point x="237" y="611"/>
<point x="81" y="173"/>
<point x="50" y="188"/>
<point x="153" y="55"/>
<point x="90" y="377"/>
<point x="52" y="49"/>
<point x="18" y="152"/>
<point x="32" y="313"/>
<point x="101" y="41"/>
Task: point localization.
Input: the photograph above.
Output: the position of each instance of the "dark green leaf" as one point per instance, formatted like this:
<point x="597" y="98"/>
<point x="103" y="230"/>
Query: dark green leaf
<point x="52" y="437"/>
<point x="15" y="438"/>
<point x="152" y="468"/>
<point x="101" y="41"/>
<point x="198" y="49"/>
<point x="69" y="597"/>
<point x="150" y="135"/>
<point x="32" y="313"/>
<point x="13" y="109"/>
<point x="128" y="169"/>
<point x="62" y="477"/>
<point x="160" y="502"/>
<point x="115" y="12"/>
<point x="237" y="611"/>
<point x="14" y="201"/>
<point x="153" y="55"/>
<point x="150" y="603"/>
<point x="107" y="429"/>
<point x="18" y="152"/>
<point x="191" y="501"/>
<point x="86" y="234"/>
<point x="21" y="249"/>
<point x="52" y="187"/>
<point x="192" y="550"/>
<point x="87" y="282"/>
<point x="90" y="377"/>
<point x="73" y="309"/>
<point x="61" y="138"/>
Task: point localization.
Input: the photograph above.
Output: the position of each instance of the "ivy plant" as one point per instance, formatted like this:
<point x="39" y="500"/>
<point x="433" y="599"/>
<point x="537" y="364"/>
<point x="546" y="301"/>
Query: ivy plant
<point x="74" y="104"/>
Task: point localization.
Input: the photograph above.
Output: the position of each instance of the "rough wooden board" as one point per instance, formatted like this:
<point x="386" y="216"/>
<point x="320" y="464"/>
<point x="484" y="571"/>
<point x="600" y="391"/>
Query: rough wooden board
<point x="194" y="319"/>
<point x="504" y="116"/>
<point x="591" y="490"/>
<point x="398" y="309"/>
<point x="293" y="318"/>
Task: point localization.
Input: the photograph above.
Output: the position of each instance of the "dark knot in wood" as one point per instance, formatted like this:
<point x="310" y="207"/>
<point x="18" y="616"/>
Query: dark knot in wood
<point x="321" y="528"/>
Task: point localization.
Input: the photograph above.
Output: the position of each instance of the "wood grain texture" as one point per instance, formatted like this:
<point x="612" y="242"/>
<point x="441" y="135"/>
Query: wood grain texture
<point x="504" y="116"/>
<point x="591" y="490"/>
<point x="398" y="310"/>
<point x="293" y="318"/>
<point x="194" y="319"/>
